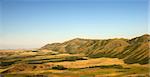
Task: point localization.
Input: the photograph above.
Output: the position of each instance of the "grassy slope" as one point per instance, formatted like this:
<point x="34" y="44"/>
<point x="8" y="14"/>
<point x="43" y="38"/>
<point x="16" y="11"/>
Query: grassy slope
<point x="135" y="50"/>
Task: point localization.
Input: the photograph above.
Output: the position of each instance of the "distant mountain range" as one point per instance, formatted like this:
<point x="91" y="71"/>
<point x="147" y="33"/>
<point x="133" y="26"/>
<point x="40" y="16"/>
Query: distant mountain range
<point x="134" y="50"/>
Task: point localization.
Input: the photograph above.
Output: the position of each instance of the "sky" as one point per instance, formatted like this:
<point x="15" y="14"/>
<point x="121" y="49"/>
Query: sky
<point x="34" y="23"/>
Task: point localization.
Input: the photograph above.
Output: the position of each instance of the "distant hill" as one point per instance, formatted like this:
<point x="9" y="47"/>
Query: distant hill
<point x="134" y="50"/>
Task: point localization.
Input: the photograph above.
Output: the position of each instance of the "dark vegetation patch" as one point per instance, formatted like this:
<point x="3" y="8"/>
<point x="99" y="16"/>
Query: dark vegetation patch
<point x="59" y="67"/>
<point x="74" y="58"/>
<point x="107" y="66"/>
<point x="16" y="57"/>
<point x="8" y="63"/>
<point x="14" y="60"/>
<point x="36" y="62"/>
<point x="46" y="60"/>
<point x="133" y="60"/>
<point x="102" y="67"/>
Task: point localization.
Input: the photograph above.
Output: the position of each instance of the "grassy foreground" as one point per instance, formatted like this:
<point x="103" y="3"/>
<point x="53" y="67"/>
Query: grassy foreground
<point x="38" y="64"/>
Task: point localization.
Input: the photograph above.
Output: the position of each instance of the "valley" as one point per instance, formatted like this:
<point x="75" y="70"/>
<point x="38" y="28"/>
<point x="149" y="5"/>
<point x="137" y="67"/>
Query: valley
<point x="80" y="58"/>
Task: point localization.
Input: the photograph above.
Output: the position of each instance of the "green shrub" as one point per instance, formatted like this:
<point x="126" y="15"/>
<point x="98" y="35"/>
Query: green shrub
<point x="59" y="67"/>
<point x="108" y="66"/>
<point x="73" y="58"/>
<point x="7" y="63"/>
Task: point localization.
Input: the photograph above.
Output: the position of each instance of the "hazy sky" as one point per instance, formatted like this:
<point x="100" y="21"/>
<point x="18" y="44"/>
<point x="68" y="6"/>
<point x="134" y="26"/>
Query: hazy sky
<point x="34" y="23"/>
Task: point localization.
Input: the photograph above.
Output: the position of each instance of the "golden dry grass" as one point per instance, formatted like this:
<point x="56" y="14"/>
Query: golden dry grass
<point x="87" y="63"/>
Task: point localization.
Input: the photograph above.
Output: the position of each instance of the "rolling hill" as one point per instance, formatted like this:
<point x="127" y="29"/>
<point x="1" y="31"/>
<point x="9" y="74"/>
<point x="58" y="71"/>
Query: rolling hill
<point x="134" y="50"/>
